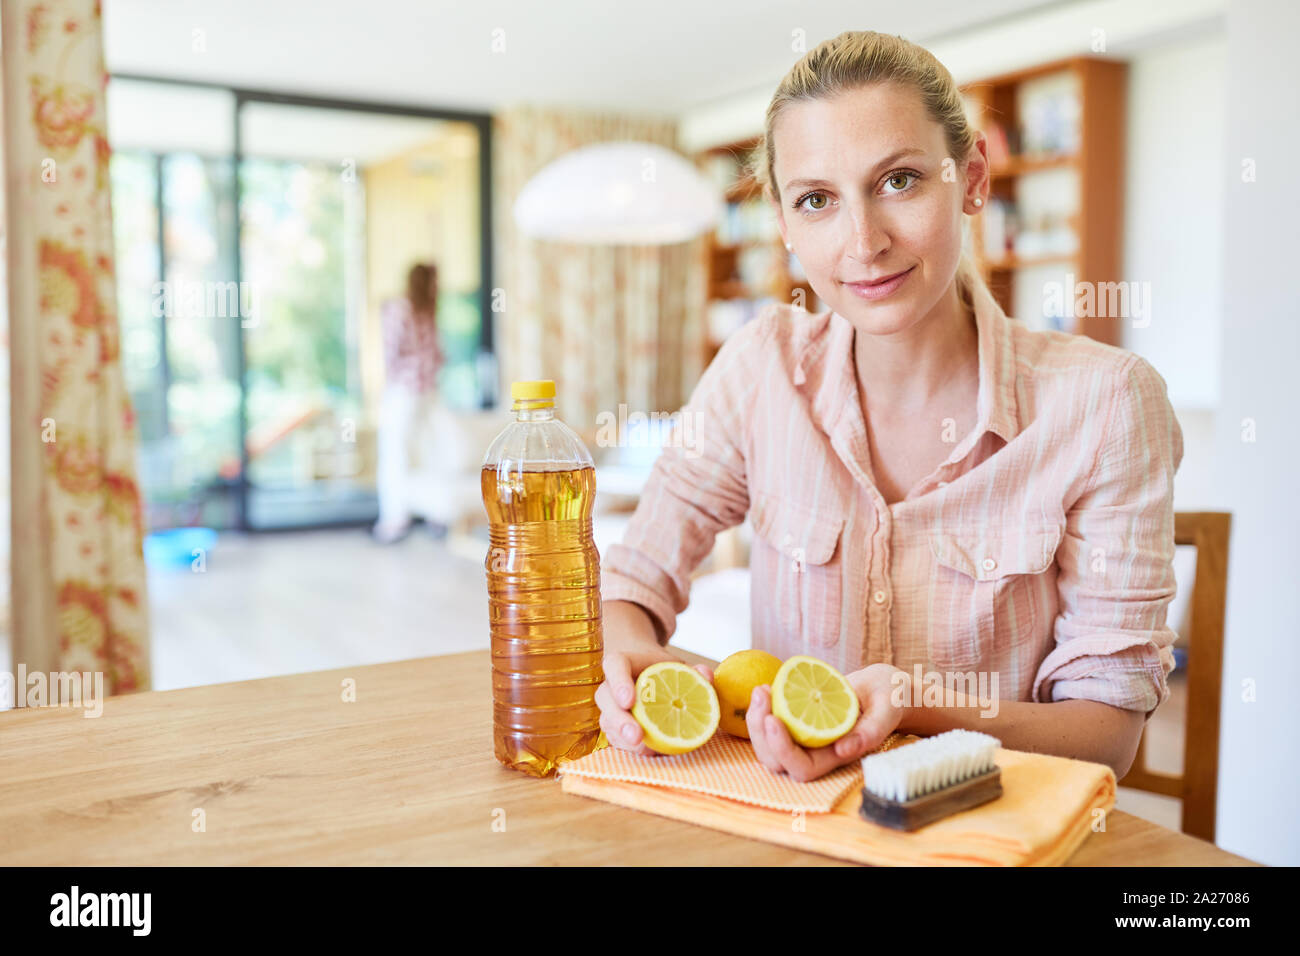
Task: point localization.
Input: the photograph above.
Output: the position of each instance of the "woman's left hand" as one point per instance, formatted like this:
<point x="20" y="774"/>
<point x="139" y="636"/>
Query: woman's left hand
<point x="773" y="745"/>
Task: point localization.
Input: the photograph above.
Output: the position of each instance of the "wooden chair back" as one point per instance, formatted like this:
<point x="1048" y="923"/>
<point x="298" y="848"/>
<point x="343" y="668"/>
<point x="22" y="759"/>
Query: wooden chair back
<point x="1198" y="785"/>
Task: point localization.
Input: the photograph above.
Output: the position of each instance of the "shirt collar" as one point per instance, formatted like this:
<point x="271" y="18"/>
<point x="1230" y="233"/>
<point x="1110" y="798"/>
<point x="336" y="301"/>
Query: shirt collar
<point x="824" y="369"/>
<point x="998" y="410"/>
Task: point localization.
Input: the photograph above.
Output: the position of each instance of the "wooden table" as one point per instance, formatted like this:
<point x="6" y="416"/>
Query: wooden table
<point x="285" y="771"/>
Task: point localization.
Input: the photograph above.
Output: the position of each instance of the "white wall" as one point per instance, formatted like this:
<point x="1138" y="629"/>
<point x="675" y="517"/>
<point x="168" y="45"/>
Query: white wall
<point x="1173" y="212"/>
<point x="1174" y="187"/>
<point x="1257" y="481"/>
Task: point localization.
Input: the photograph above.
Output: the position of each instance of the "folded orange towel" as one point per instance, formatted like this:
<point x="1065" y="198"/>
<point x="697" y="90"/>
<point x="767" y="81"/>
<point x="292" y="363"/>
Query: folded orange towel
<point x="1048" y="807"/>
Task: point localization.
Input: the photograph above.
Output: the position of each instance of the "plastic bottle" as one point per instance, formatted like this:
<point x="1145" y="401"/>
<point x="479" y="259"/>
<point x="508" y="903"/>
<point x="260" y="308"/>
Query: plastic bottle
<point x="543" y="573"/>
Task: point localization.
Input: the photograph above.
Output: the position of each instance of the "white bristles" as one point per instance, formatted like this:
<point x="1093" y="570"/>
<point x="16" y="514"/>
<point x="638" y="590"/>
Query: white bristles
<point x="931" y="764"/>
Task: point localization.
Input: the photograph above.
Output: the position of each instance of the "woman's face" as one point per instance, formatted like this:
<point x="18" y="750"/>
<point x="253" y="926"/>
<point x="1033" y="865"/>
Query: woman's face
<point x="863" y="196"/>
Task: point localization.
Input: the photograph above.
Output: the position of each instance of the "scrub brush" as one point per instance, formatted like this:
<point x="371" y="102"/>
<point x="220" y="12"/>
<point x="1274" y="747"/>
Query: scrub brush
<point x="911" y="786"/>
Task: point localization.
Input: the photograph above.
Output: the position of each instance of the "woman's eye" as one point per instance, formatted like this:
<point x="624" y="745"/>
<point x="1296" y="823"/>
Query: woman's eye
<point x="815" y="201"/>
<point x="894" y="180"/>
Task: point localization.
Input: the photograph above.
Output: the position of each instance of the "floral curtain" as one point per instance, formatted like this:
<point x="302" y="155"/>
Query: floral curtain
<point x="78" y="576"/>
<point x="611" y="324"/>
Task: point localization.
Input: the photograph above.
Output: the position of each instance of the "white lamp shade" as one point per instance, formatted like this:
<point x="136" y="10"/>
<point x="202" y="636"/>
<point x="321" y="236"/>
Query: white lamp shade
<point x="636" y="193"/>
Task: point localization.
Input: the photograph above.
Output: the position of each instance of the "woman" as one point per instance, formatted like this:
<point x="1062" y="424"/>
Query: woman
<point x="412" y="359"/>
<point x="931" y="485"/>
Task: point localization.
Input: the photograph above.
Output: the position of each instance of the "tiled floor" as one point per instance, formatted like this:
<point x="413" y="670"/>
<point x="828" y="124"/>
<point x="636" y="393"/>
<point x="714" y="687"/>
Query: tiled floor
<point x="299" y="601"/>
<point x="280" y="603"/>
<point x="288" y="602"/>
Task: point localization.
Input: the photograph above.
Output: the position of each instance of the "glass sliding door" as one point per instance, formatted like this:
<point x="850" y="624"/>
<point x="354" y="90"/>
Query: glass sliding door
<point x="300" y="262"/>
<point x="174" y="233"/>
<point x="335" y="206"/>
<point x="202" y="332"/>
<point x="258" y="238"/>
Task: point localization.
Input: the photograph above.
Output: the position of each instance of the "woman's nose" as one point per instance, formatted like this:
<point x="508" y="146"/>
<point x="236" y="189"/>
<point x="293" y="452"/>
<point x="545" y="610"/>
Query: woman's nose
<point x="869" y="239"/>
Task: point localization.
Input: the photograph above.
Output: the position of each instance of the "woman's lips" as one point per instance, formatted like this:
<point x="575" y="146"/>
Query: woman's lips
<point x="878" y="290"/>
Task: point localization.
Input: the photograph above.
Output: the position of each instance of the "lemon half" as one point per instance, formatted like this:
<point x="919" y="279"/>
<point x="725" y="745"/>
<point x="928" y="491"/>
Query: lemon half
<point x="814" y="701"/>
<point x="676" y="707"/>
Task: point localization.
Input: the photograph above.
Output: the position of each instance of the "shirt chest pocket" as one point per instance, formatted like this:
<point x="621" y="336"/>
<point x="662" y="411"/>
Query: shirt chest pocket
<point x="796" y="565"/>
<point x="989" y="589"/>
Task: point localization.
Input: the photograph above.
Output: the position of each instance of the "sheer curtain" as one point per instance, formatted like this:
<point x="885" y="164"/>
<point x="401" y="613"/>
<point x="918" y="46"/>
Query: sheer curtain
<point x="611" y="324"/>
<point x="78" y="581"/>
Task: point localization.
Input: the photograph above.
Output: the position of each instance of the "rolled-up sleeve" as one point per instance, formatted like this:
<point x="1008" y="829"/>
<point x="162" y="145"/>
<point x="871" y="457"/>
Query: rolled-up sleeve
<point x="1115" y="563"/>
<point x="697" y="488"/>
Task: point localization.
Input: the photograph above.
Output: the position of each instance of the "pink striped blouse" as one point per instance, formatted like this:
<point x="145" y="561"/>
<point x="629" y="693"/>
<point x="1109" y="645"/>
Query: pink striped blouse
<point x="412" y="355"/>
<point x="1041" y="549"/>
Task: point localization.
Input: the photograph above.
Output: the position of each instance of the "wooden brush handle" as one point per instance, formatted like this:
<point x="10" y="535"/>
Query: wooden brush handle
<point x="913" y="814"/>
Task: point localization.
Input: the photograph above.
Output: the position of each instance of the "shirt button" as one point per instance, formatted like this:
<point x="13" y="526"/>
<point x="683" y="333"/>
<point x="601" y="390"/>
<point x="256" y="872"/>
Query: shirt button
<point x="989" y="564"/>
<point x="879" y="597"/>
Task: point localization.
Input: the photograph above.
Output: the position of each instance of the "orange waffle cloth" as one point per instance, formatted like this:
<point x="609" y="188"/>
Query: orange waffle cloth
<point x="1048" y="807"/>
<point x="726" y="767"/>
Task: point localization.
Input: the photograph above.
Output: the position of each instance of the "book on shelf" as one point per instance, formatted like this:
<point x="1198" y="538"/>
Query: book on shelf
<point x="999" y="151"/>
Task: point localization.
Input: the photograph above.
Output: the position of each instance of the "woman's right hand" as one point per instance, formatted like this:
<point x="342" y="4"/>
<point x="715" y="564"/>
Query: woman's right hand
<point x="630" y="647"/>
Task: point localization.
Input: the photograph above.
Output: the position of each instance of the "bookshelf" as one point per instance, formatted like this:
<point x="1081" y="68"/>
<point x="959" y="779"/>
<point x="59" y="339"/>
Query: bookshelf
<point x="746" y="263"/>
<point x="1056" y="150"/>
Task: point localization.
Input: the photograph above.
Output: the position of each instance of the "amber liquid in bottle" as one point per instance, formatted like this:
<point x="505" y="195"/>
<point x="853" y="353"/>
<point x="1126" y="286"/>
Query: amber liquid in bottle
<point x="543" y="575"/>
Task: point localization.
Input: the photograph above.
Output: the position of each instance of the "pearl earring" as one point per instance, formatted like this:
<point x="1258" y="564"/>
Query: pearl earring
<point x="978" y="202"/>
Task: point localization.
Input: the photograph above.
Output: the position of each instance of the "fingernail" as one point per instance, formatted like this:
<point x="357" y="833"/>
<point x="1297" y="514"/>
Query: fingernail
<point x="629" y="733"/>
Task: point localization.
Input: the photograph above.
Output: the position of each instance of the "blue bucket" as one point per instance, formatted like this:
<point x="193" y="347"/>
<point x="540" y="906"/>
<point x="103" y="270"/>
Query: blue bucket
<point x="175" y="547"/>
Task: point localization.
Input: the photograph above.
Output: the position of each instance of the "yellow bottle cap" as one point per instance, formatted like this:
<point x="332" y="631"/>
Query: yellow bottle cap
<point x="538" y="394"/>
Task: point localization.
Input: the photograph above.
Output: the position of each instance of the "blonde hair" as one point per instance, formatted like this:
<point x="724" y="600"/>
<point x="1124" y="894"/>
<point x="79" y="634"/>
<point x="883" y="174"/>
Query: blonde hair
<point x="858" y="58"/>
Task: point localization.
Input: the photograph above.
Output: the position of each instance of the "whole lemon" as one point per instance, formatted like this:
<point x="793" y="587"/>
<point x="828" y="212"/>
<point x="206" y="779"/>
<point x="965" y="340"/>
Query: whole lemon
<point x="735" y="679"/>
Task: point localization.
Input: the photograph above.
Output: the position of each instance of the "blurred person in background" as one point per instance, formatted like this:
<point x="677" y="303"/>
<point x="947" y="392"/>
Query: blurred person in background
<point x="412" y="360"/>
